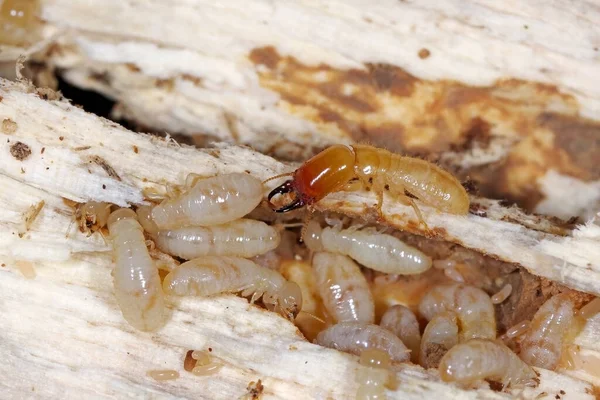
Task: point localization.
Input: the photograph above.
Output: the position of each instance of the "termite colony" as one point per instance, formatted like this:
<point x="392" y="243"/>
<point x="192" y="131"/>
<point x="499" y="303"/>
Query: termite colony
<point x="385" y="296"/>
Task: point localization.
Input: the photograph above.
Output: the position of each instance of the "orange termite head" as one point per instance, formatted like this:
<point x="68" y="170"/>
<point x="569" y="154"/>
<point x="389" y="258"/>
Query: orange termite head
<point x="325" y="173"/>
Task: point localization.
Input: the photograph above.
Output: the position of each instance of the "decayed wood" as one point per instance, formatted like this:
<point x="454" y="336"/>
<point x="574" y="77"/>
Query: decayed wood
<point x="499" y="94"/>
<point x="64" y="334"/>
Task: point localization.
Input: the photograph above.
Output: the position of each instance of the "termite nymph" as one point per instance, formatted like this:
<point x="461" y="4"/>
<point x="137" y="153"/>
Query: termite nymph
<point x="377" y="169"/>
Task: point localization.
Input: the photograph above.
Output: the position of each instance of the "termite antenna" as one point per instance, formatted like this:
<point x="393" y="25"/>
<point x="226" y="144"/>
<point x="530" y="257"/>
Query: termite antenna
<point x="312" y="316"/>
<point x="277" y="176"/>
<point x="281" y="225"/>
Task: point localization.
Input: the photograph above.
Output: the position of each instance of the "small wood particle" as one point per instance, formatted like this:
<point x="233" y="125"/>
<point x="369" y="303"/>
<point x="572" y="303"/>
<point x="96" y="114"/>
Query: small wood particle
<point x="255" y="389"/>
<point x="82" y="148"/>
<point x="9" y="126"/>
<point x="43" y="150"/>
<point x="110" y="171"/>
<point x="61" y="138"/>
<point x="424" y="53"/>
<point x="20" y="151"/>
<point x="562" y="392"/>
<point x="135" y="149"/>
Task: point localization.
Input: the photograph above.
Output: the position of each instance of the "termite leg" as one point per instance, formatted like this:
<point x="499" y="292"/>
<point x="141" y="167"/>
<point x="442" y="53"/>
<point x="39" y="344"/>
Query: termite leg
<point x="352" y="186"/>
<point x="277" y="176"/>
<point x="307" y="218"/>
<point x="412" y="203"/>
<point x="379" y="206"/>
<point x="193" y="178"/>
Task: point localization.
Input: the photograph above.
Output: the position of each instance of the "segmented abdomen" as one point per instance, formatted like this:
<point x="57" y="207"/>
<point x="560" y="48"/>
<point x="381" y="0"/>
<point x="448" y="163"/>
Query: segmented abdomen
<point x="429" y="183"/>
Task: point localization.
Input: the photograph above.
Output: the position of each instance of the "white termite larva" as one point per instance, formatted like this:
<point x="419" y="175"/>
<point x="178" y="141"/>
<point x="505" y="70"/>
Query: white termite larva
<point x="516" y="330"/>
<point x="378" y="251"/>
<point x="144" y="214"/>
<point x="136" y="280"/>
<point x="211" y="201"/>
<point x="163" y="374"/>
<point x="479" y="359"/>
<point x="205" y="364"/>
<point x="502" y="295"/>
<point x="372" y="375"/>
<point x="242" y="238"/>
<point x="453" y="274"/>
<point x="212" y="275"/>
<point x="301" y="272"/>
<point x="441" y="334"/>
<point x="542" y="345"/>
<point x="343" y="288"/>
<point x="590" y="309"/>
<point x="472" y="305"/>
<point x="356" y="337"/>
<point x="402" y="322"/>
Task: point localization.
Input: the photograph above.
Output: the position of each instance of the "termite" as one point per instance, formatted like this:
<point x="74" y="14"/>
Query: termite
<point x="356" y="337"/>
<point x="92" y="216"/>
<point x="543" y="343"/>
<point x="243" y="238"/>
<point x="379" y="170"/>
<point x="472" y="305"/>
<point x="343" y="288"/>
<point x="441" y="334"/>
<point x="378" y="251"/>
<point x="402" y="322"/>
<point x="373" y="375"/>
<point x="210" y="201"/>
<point x="212" y="275"/>
<point x="301" y="272"/>
<point x="137" y="283"/>
<point x="480" y="359"/>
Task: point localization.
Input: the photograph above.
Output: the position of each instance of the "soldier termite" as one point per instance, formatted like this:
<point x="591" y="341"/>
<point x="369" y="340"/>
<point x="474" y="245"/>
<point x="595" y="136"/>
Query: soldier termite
<point x="403" y="177"/>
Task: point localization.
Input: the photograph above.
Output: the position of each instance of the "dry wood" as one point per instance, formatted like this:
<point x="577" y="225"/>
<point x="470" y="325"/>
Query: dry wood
<point x="501" y="94"/>
<point x="64" y="334"/>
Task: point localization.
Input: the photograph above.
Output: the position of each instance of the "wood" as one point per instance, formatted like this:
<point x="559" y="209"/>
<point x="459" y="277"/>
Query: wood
<point x="64" y="335"/>
<point x="498" y="94"/>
